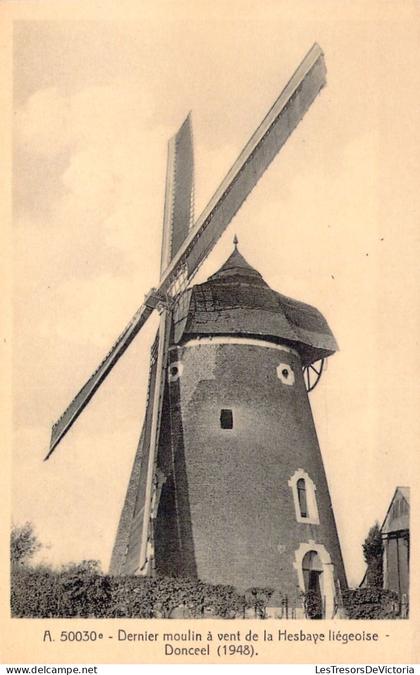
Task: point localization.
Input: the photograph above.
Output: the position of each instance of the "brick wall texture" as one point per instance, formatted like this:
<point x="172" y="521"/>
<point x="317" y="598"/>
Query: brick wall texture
<point x="226" y="511"/>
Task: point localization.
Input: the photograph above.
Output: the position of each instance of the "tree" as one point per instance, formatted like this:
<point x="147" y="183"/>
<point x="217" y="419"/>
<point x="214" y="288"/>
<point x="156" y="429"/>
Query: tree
<point x="23" y="544"/>
<point x="373" y="554"/>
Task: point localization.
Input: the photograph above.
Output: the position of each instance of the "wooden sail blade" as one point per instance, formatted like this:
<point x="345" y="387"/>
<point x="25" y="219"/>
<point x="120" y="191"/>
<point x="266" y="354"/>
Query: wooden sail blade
<point x="81" y="399"/>
<point x="265" y="143"/>
<point x="126" y="552"/>
<point x="178" y="213"/>
<point x="152" y="447"/>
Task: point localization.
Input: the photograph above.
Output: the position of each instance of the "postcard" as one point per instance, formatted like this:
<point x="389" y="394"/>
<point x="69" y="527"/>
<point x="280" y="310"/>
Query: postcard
<point x="211" y="338"/>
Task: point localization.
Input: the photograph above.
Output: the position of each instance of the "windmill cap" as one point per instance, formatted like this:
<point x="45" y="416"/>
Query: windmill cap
<point x="237" y="301"/>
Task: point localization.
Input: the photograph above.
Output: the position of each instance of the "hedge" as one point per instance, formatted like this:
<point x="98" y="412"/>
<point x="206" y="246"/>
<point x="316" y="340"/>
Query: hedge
<point x="371" y="603"/>
<point x="82" y="591"/>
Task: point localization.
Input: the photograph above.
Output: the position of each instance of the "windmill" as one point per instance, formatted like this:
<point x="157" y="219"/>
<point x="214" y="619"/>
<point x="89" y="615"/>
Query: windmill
<point x="158" y="529"/>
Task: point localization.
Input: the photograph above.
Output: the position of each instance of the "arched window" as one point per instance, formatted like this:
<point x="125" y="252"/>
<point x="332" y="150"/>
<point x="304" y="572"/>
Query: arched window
<point x="301" y="490"/>
<point x="304" y="497"/>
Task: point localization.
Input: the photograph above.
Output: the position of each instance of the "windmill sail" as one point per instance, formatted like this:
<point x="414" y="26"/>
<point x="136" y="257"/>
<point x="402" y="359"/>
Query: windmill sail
<point x="261" y="149"/>
<point x="263" y="146"/>
<point x="83" y="397"/>
<point x="131" y="520"/>
<point x="178" y="214"/>
<point x="130" y="553"/>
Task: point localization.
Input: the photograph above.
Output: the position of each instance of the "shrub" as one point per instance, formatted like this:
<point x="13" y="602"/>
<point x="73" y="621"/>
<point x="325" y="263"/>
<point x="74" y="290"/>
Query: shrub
<point x="371" y="603"/>
<point x="83" y="590"/>
<point x="34" y="593"/>
<point x="312" y="605"/>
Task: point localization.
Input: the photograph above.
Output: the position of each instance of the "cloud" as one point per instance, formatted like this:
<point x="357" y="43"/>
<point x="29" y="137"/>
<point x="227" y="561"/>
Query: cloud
<point x="52" y="119"/>
<point x="42" y="124"/>
<point x="107" y="197"/>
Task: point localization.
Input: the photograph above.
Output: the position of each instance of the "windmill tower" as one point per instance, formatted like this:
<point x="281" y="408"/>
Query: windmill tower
<point x="228" y="482"/>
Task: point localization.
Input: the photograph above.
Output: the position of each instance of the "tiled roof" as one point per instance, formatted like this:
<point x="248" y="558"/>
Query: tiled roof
<point x="236" y="300"/>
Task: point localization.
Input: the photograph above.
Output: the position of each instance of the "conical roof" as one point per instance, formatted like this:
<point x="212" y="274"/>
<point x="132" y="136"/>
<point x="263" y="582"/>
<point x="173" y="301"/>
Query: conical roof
<point x="237" y="266"/>
<point x="237" y="301"/>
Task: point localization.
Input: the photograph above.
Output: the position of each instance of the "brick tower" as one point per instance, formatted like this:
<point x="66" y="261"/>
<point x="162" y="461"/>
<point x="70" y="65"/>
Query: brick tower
<point x="241" y="495"/>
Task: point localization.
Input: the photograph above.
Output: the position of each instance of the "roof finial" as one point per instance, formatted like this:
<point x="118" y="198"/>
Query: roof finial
<point x="235" y="242"/>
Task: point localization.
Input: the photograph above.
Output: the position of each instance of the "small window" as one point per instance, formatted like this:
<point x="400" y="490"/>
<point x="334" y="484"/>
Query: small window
<point x="301" y="490"/>
<point x="175" y="371"/>
<point x="285" y="374"/>
<point x="226" y="419"/>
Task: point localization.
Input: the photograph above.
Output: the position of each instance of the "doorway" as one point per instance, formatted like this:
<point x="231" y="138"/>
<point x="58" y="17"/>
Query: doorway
<point x="312" y="569"/>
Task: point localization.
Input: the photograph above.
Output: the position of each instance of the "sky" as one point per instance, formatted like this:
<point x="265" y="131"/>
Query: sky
<point x="333" y="222"/>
